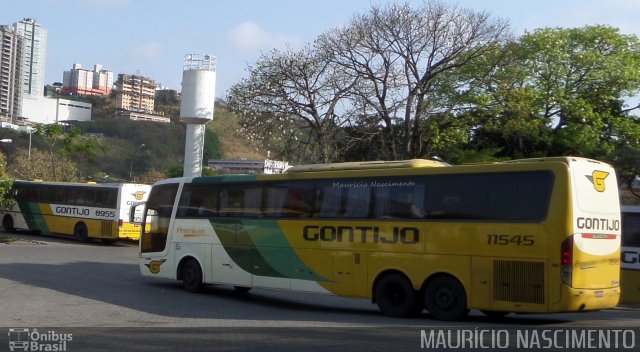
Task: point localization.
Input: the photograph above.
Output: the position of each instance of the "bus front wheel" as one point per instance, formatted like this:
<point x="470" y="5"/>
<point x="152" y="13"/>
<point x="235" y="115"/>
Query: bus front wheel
<point x="445" y="299"/>
<point x="192" y="276"/>
<point x="7" y="223"/>
<point x="81" y="233"/>
<point x="396" y="297"/>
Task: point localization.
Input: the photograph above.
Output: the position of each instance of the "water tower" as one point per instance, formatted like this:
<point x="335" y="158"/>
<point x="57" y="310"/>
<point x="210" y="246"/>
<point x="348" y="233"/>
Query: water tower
<point x="196" y="107"/>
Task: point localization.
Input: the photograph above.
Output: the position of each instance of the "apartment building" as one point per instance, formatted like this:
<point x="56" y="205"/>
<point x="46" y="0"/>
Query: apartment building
<point x="79" y="81"/>
<point x="32" y="58"/>
<point x="10" y="44"/>
<point x="135" y="98"/>
<point x="23" y="50"/>
<point x="135" y="93"/>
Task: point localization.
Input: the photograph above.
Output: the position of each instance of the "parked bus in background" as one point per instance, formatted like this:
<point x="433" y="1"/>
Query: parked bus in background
<point x="630" y="256"/>
<point x="84" y="210"/>
<point x="528" y="236"/>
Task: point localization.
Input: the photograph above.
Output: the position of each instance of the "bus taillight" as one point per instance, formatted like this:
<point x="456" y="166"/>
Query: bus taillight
<point x="566" y="260"/>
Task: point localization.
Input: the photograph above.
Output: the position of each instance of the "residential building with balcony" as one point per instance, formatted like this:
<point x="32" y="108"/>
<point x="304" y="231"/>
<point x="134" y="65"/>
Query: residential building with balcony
<point x="135" y="98"/>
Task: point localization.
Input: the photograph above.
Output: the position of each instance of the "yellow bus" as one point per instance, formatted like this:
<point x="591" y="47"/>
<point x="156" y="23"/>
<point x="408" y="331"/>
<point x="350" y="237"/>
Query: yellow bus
<point x="630" y="256"/>
<point x="84" y="210"/>
<point x="530" y="236"/>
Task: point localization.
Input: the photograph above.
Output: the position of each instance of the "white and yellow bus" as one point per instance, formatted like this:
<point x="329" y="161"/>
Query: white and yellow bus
<point x="84" y="210"/>
<point x="630" y="255"/>
<point x="531" y="236"/>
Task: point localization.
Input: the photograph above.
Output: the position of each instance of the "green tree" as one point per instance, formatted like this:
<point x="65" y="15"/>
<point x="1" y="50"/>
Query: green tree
<point x="5" y="183"/>
<point x="53" y="135"/>
<point x="37" y="166"/>
<point x="582" y="76"/>
<point x="560" y="92"/>
<point x="81" y="149"/>
<point x="62" y="148"/>
<point x="626" y="161"/>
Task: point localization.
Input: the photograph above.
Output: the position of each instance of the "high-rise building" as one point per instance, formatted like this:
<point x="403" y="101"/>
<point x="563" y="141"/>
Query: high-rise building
<point x="79" y="81"/>
<point x="34" y="53"/>
<point x="23" y="50"/>
<point x="135" y="93"/>
<point x="22" y="67"/>
<point x="102" y="79"/>
<point x="135" y="98"/>
<point x="10" y="44"/>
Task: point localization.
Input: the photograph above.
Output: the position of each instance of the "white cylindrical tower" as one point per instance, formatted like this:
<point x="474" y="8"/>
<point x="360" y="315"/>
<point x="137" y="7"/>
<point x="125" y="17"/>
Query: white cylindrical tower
<point x="196" y="107"/>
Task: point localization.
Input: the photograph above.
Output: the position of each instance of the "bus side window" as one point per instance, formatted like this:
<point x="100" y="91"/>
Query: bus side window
<point x="231" y="202"/>
<point x="298" y="203"/>
<point x="399" y="202"/>
<point x="276" y="196"/>
<point x="331" y="202"/>
<point x="357" y="203"/>
<point x="252" y="202"/>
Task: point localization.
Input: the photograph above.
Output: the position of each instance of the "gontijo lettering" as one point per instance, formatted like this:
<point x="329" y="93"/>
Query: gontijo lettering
<point x="360" y="234"/>
<point x="598" y="224"/>
<point x="72" y="211"/>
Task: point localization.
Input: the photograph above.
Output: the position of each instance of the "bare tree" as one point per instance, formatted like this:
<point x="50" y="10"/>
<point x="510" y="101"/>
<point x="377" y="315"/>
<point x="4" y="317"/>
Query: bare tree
<point x="292" y="103"/>
<point x="401" y="56"/>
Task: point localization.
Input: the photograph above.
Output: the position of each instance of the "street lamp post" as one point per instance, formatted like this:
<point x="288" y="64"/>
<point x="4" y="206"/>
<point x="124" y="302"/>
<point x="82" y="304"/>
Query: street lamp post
<point x="133" y="158"/>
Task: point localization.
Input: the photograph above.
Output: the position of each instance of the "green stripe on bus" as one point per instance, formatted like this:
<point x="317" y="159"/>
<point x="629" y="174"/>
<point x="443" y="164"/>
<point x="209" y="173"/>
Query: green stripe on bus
<point x="33" y="216"/>
<point x="260" y="248"/>
<point x="274" y="248"/>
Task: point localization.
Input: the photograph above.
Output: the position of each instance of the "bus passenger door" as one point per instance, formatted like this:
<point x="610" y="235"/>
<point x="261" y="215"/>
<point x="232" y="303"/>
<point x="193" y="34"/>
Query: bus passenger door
<point x="155" y="256"/>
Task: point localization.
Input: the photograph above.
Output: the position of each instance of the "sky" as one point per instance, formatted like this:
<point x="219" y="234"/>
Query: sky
<point x="152" y="37"/>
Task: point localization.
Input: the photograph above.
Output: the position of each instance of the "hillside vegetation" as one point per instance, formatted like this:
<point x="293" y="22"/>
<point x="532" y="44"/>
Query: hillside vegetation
<point x="118" y="148"/>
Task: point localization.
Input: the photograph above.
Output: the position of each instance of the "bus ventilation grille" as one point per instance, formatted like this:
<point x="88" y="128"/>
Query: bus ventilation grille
<point x="516" y="281"/>
<point x="107" y="228"/>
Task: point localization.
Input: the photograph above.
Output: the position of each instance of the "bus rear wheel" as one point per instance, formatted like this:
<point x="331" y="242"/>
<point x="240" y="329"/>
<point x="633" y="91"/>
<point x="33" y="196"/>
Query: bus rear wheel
<point x="192" y="276"/>
<point x="445" y="299"/>
<point x="396" y="297"/>
<point x="81" y="233"/>
<point x="7" y="223"/>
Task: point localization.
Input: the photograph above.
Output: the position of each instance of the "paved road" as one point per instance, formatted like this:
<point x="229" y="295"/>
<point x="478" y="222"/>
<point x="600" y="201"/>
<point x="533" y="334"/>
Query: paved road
<point x="96" y="293"/>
